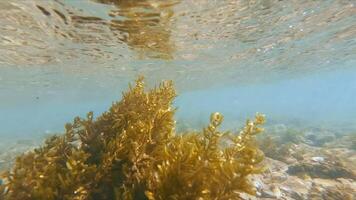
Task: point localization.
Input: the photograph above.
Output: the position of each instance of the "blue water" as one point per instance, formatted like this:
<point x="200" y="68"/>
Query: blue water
<point x="319" y="100"/>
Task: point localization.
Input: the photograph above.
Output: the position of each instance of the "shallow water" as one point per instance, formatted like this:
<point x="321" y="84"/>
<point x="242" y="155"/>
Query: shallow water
<point x="292" y="60"/>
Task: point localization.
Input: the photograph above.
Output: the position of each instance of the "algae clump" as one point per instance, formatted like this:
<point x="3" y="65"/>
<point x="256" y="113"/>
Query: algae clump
<point x="133" y="152"/>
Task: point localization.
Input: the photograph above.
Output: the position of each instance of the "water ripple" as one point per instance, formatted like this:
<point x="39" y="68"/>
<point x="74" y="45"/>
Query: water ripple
<point x="240" y="38"/>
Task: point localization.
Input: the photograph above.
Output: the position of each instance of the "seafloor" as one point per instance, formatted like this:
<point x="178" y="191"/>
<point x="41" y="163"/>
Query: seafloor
<point x="300" y="164"/>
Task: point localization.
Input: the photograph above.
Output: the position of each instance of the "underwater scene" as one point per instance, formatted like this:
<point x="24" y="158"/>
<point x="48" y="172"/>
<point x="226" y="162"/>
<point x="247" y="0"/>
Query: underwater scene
<point x="177" y="99"/>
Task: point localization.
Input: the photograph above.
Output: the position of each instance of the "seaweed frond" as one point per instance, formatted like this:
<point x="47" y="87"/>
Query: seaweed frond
<point x="132" y="152"/>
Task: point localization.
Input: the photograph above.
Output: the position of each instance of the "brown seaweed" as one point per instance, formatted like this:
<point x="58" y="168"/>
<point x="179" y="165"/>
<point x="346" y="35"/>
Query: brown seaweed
<point x="133" y="152"/>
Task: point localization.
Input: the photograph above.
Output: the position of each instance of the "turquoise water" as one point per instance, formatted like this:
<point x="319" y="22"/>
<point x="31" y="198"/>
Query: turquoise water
<point x="319" y="100"/>
<point x="292" y="60"/>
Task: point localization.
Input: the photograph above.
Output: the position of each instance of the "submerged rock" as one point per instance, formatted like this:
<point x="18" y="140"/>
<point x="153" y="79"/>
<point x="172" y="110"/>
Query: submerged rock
<point x="332" y="189"/>
<point x="316" y="173"/>
<point x="319" y="139"/>
<point x="320" y="170"/>
<point x="273" y="192"/>
<point x="324" y="163"/>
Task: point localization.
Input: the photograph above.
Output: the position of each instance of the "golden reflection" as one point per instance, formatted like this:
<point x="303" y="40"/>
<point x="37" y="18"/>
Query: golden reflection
<point x="143" y="25"/>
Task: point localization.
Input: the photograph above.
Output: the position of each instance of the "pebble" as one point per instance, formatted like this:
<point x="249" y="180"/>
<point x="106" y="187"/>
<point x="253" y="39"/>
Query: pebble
<point x="277" y="192"/>
<point x="279" y="177"/>
<point x="318" y="159"/>
<point x="258" y="184"/>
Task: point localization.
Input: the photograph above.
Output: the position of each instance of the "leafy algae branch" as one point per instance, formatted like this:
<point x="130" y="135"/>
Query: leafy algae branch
<point x="133" y="152"/>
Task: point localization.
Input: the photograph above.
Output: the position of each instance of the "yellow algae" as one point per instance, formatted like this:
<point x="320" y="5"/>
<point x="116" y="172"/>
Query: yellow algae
<point x="133" y="152"/>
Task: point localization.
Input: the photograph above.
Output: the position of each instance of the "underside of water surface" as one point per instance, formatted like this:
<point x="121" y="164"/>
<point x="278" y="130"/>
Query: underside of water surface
<point x="294" y="61"/>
